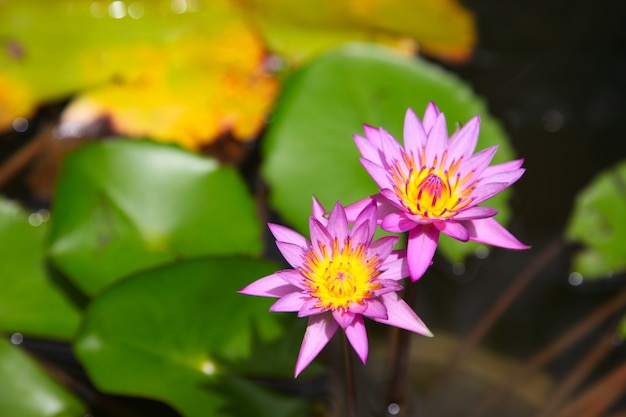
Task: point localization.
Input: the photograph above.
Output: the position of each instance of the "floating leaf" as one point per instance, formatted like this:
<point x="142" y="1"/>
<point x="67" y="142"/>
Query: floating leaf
<point x="27" y="391"/>
<point x="309" y="147"/>
<point x="441" y="28"/>
<point x="599" y="223"/>
<point x="181" y="71"/>
<point x="170" y="333"/>
<point x="26" y="290"/>
<point x="123" y="206"/>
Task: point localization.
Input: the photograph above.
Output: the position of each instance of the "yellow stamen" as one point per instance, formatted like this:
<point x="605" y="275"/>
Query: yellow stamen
<point x="434" y="192"/>
<point x="341" y="275"/>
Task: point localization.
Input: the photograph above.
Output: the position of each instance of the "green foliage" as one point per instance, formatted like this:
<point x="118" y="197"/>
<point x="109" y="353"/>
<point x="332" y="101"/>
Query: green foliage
<point x="598" y="222"/>
<point x="309" y="148"/>
<point x="170" y="333"/>
<point x="26" y="288"/>
<point x="27" y="391"/>
<point x="124" y="206"/>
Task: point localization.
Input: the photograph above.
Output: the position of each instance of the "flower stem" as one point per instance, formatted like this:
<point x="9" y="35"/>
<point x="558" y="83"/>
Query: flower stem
<point x="397" y="385"/>
<point x="351" y="406"/>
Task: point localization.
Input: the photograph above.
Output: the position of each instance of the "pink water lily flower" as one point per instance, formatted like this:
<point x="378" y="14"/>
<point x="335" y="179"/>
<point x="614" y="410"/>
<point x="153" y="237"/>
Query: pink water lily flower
<point x="338" y="277"/>
<point x="434" y="184"/>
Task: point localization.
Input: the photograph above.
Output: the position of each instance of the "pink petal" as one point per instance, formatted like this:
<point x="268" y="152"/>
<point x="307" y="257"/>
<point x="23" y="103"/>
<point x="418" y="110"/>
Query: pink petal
<point x="397" y="222"/>
<point x="508" y="177"/>
<point x="319" y="234"/>
<point x="338" y="223"/>
<point x="320" y="330"/>
<point x="392" y="150"/>
<point x="389" y="285"/>
<point x="414" y="135"/>
<point x="437" y="140"/>
<point x="464" y="142"/>
<point x="368" y="150"/>
<point x="354" y="209"/>
<point x="293" y="277"/>
<point x="319" y="211"/>
<point x="395" y="270"/>
<point x="486" y="191"/>
<point x="285" y="234"/>
<point x="453" y="229"/>
<point x="290" y="302"/>
<point x="421" y="249"/>
<point x="506" y="166"/>
<point x="399" y="314"/>
<point x="476" y="213"/>
<point x="357" y="336"/>
<point x="376" y="310"/>
<point x="358" y="308"/>
<point x="393" y="200"/>
<point x="490" y="232"/>
<point x="430" y="115"/>
<point x="362" y="235"/>
<point x="368" y="217"/>
<point x="379" y="174"/>
<point x="476" y="164"/>
<point x="373" y="135"/>
<point x="310" y="307"/>
<point x="293" y="254"/>
<point x="382" y="247"/>
<point x="343" y="317"/>
<point x="269" y="286"/>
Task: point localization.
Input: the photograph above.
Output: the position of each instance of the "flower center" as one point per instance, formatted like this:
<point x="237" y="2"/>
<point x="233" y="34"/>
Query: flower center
<point x="435" y="192"/>
<point x="339" y="276"/>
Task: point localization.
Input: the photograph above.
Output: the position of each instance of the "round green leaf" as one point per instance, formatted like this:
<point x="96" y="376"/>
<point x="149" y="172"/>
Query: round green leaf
<point x="123" y="206"/>
<point x="598" y="221"/>
<point x="309" y="147"/>
<point x="29" y="302"/>
<point x="171" y="333"/>
<point x="27" y="391"/>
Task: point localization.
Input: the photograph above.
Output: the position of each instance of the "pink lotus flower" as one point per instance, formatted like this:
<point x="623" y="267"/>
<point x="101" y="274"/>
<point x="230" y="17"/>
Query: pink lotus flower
<point x="435" y="184"/>
<point x="337" y="278"/>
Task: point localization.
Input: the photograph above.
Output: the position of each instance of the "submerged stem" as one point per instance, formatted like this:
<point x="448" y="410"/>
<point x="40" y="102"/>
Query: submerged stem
<point x="400" y="364"/>
<point x="351" y="406"/>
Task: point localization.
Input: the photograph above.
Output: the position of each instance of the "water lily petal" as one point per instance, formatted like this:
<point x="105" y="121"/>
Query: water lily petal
<point x="400" y="314"/>
<point x="338" y="223"/>
<point x="477" y="212"/>
<point x="357" y="336"/>
<point x="395" y="270"/>
<point x="290" y="302"/>
<point x="506" y="166"/>
<point x="376" y="310"/>
<point x="343" y="317"/>
<point x="397" y="222"/>
<point x="319" y="234"/>
<point x="285" y="234"/>
<point x="453" y="229"/>
<point x="490" y="232"/>
<point x="437" y="141"/>
<point x="414" y="134"/>
<point x="293" y="254"/>
<point x="368" y="150"/>
<point x="421" y="249"/>
<point x="379" y="174"/>
<point x="293" y="277"/>
<point x="270" y="286"/>
<point x="319" y="212"/>
<point x="465" y="140"/>
<point x="320" y="330"/>
<point x="430" y="115"/>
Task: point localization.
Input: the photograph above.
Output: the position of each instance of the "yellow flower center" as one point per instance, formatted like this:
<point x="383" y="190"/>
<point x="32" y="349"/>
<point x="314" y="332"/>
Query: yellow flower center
<point x="433" y="192"/>
<point x="339" y="276"/>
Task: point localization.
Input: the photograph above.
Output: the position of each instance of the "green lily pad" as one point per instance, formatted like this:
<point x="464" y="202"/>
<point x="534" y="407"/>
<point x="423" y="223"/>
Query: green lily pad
<point x="309" y="147"/>
<point x="598" y="222"/>
<point x="29" y="301"/>
<point x="123" y="206"/>
<point x="27" y="391"/>
<point x="170" y="334"/>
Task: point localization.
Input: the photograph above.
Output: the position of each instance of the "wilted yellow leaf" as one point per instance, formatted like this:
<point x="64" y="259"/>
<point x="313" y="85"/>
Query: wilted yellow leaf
<point x="299" y="29"/>
<point x="182" y="71"/>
